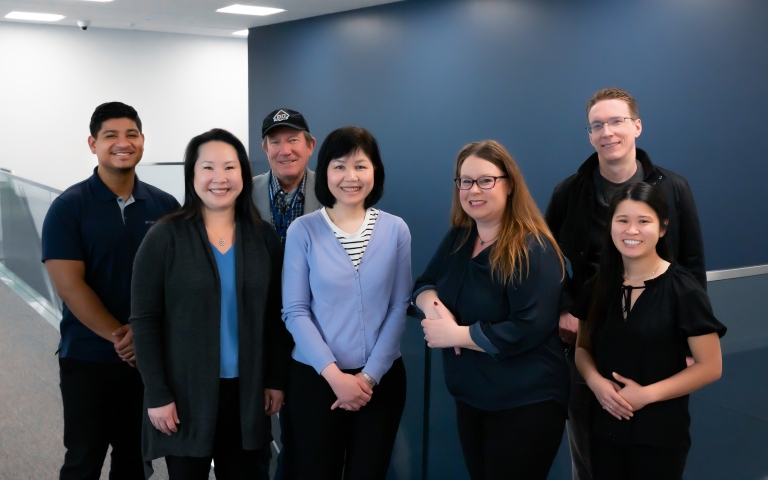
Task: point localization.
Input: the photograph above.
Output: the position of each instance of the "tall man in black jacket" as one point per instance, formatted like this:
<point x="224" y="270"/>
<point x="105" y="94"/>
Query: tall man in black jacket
<point x="577" y="215"/>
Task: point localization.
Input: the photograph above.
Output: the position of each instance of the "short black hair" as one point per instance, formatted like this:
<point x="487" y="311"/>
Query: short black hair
<point x="340" y="143"/>
<point x="110" y="110"/>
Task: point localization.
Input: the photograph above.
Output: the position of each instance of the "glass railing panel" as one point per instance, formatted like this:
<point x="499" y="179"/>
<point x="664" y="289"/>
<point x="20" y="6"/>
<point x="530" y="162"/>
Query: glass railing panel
<point x="23" y="206"/>
<point x="729" y="421"/>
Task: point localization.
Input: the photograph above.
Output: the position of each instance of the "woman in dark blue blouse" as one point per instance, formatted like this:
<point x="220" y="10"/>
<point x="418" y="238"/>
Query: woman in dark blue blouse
<point x="491" y="298"/>
<point x="640" y="314"/>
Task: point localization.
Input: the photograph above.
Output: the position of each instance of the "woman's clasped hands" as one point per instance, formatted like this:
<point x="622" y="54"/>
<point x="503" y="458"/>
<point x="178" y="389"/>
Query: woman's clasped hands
<point x="352" y="391"/>
<point x="621" y="402"/>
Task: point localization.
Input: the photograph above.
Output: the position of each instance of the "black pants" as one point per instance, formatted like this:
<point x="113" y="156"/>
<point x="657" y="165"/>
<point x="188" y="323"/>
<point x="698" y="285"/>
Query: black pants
<point x="611" y="461"/>
<point x="102" y="407"/>
<point x="580" y="407"/>
<point x="328" y="442"/>
<point x="231" y="461"/>
<point x="520" y="442"/>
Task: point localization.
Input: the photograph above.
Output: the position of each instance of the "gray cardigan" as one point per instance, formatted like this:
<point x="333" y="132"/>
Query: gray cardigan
<point x="261" y="195"/>
<point x="175" y="314"/>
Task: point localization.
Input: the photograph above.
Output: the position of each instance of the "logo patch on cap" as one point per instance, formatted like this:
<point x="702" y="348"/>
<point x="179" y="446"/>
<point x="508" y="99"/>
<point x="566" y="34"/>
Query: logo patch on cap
<point x="280" y="116"/>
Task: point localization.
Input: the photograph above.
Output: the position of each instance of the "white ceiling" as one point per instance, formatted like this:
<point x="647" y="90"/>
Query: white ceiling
<point x="197" y="17"/>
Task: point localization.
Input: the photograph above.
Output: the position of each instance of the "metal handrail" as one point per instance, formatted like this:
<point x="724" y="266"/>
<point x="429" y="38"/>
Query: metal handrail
<point x="715" y="275"/>
<point x="7" y="173"/>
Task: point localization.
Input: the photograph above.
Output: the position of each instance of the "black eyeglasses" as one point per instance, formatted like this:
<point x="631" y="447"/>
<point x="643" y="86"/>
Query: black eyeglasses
<point x="486" y="182"/>
<point x="597" y="127"/>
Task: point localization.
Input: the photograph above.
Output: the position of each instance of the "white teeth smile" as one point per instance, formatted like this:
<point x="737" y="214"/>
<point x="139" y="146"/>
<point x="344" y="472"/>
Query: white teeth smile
<point x="476" y="202"/>
<point x="351" y="189"/>
<point x="219" y="191"/>
<point x="632" y="242"/>
<point x="608" y="145"/>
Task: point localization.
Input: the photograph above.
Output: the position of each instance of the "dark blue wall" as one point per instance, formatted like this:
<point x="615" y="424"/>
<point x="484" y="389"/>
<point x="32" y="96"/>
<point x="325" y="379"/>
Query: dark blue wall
<point x="428" y="76"/>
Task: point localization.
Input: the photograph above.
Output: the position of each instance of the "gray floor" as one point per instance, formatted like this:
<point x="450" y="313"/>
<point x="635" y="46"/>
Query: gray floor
<point x="30" y="402"/>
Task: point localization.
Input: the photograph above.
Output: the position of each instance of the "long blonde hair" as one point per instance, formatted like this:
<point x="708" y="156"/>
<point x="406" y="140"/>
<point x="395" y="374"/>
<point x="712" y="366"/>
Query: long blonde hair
<point x="521" y="215"/>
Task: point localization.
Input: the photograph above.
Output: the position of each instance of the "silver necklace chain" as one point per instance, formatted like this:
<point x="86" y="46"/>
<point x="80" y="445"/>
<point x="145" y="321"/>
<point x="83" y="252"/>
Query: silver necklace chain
<point x="222" y="242"/>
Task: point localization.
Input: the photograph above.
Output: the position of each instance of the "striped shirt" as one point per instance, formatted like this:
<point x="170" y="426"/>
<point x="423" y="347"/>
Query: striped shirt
<point x="354" y="243"/>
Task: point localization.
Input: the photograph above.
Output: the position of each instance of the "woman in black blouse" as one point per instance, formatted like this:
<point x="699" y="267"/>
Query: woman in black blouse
<point x="491" y="299"/>
<point x="641" y="312"/>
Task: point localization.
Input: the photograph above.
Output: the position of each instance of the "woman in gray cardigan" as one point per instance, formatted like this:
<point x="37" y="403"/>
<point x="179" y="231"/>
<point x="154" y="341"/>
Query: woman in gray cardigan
<point x="210" y="344"/>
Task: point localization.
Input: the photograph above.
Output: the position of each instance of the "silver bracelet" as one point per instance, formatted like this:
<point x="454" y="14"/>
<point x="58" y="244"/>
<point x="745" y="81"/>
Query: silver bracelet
<point x="369" y="379"/>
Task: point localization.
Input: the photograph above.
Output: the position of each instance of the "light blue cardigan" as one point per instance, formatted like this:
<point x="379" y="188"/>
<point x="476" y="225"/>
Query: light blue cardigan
<point x="338" y="314"/>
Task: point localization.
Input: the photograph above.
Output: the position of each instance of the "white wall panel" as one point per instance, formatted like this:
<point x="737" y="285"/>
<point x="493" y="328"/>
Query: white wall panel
<point x="52" y="78"/>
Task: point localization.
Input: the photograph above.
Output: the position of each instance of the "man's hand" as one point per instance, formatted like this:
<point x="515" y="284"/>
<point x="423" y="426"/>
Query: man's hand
<point x="569" y="325"/>
<point x="124" y="344"/>
<point x="273" y="401"/>
<point x="164" y="418"/>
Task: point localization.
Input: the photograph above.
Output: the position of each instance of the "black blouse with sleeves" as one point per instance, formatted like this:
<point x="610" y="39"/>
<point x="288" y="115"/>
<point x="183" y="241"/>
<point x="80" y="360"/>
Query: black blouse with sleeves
<point x="516" y="324"/>
<point x="650" y="346"/>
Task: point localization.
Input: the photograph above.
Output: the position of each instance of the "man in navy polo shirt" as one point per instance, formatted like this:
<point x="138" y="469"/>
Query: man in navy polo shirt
<point x="90" y="237"/>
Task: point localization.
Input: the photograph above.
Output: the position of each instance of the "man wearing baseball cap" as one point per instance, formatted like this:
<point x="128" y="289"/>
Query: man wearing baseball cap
<point x="287" y="190"/>
<point x="284" y="193"/>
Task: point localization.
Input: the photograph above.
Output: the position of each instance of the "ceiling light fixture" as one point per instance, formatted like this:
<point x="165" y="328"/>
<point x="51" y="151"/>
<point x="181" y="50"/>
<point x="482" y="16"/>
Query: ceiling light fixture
<point x="38" y="17"/>
<point x="249" y="10"/>
<point x="241" y="33"/>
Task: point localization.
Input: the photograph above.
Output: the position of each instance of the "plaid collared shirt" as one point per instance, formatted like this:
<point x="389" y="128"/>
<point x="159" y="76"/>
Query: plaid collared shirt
<point x="279" y="204"/>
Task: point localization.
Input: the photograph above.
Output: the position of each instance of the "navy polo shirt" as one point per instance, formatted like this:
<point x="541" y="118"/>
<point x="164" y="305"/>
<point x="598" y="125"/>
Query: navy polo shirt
<point x="87" y="223"/>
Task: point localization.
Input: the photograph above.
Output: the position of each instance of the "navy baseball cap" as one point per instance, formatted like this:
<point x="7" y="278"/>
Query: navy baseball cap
<point x="284" y="117"/>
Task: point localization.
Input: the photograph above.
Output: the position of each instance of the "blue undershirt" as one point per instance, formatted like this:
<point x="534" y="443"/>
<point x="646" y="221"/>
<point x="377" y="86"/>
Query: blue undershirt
<point x="229" y="344"/>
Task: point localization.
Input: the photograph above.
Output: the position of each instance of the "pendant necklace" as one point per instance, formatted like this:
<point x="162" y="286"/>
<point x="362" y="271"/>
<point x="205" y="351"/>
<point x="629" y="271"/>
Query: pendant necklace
<point x="222" y="242"/>
<point x="483" y="242"/>
<point x="643" y="278"/>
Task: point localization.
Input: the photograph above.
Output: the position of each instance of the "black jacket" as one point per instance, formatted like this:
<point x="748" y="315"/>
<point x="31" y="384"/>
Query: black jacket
<point x="570" y="210"/>
<point x="176" y="315"/>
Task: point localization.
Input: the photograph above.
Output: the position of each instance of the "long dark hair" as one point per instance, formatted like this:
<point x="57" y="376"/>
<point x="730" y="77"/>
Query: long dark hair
<point x="192" y="209"/>
<point x="607" y="287"/>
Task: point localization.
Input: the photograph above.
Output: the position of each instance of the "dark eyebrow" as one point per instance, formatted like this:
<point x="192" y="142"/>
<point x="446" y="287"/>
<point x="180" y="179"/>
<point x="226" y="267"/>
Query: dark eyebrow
<point x="130" y="130"/>
<point x="639" y="216"/>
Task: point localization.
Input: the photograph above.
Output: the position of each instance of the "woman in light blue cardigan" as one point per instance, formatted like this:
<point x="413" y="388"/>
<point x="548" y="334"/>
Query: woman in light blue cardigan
<point x="346" y="288"/>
